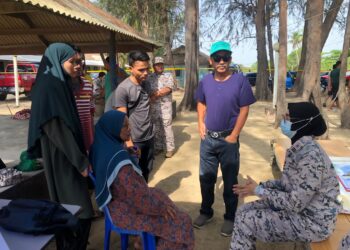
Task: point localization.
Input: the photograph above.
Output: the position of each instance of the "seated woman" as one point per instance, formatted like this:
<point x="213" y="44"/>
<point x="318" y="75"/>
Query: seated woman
<point x="120" y="185"/>
<point x="300" y="206"/>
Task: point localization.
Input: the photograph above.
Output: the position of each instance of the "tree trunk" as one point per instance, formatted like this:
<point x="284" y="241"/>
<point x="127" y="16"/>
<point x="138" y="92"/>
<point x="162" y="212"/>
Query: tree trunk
<point x="191" y="55"/>
<point x="168" y="39"/>
<point x="269" y="38"/>
<point x="326" y="27"/>
<point x="313" y="51"/>
<point x="343" y="96"/>
<point x="262" y="92"/>
<point x="298" y="85"/>
<point x="142" y="9"/>
<point x="282" y="63"/>
<point x="329" y="20"/>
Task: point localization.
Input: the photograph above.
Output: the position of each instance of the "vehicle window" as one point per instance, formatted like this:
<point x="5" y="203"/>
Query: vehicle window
<point x="9" y="69"/>
<point x="21" y="68"/>
<point x="29" y="68"/>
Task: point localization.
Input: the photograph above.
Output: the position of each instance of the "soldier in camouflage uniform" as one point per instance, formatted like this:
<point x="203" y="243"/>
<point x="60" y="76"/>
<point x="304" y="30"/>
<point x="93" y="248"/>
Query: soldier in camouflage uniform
<point x="300" y="206"/>
<point x="161" y="85"/>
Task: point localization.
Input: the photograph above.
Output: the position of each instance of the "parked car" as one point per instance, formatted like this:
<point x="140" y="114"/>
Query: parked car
<point x="26" y="78"/>
<point x="251" y="78"/>
<point x="290" y="78"/>
<point x="325" y="76"/>
<point x="324" y="80"/>
<point x="235" y="68"/>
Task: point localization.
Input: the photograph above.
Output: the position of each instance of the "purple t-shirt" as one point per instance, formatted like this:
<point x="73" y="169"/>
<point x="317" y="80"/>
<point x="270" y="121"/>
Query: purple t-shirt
<point x="224" y="100"/>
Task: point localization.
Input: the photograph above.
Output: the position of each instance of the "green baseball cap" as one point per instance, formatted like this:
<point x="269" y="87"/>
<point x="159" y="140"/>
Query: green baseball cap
<point x="220" y="45"/>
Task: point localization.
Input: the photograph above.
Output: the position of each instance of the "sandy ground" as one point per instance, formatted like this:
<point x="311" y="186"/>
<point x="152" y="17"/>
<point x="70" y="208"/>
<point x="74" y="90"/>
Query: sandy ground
<point x="178" y="176"/>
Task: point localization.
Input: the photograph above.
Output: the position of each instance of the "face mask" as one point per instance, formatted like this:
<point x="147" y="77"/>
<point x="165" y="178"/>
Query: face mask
<point x="286" y="128"/>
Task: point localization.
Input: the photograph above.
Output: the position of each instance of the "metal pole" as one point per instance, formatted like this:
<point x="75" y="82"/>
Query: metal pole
<point x="112" y="60"/>
<point x="15" y="74"/>
<point x="275" y="77"/>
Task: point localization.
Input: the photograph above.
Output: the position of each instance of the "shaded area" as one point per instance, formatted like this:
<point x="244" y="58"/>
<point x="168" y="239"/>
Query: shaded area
<point x="172" y="183"/>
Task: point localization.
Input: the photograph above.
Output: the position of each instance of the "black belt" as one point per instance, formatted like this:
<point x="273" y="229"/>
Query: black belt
<point x="219" y="134"/>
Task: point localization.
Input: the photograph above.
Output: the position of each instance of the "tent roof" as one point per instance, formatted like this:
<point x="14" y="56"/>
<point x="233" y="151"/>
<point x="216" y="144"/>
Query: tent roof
<point x="29" y="26"/>
<point x="179" y="57"/>
<point x="91" y="59"/>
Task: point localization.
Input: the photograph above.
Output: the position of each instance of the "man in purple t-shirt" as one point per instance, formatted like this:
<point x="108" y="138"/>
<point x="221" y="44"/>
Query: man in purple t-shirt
<point x="223" y="101"/>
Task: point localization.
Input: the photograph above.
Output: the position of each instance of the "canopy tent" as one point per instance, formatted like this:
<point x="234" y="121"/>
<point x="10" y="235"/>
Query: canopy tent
<point x="29" y="26"/>
<point x="90" y="59"/>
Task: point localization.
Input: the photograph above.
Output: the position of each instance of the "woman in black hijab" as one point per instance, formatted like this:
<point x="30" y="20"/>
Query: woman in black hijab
<point x="303" y="119"/>
<point x="300" y="206"/>
<point x="55" y="135"/>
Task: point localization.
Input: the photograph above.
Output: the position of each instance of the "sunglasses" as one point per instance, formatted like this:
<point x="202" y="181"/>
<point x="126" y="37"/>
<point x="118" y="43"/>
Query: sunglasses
<point x="218" y="58"/>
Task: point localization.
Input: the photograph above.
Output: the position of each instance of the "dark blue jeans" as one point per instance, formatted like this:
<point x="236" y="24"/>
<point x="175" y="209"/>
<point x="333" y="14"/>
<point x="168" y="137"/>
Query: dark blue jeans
<point x="212" y="153"/>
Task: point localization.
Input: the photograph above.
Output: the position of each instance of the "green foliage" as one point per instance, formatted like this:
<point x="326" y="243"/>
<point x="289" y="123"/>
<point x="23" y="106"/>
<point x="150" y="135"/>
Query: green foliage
<point x="254" y="67"/>
<point x="296" y="39"/>
<point x="329" y="58"/>
<point x="147" y="16"/>
<point x="293" y="60"/>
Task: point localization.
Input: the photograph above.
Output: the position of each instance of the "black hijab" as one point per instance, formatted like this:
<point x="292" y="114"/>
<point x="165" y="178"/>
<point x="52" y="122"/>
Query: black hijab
<point x="52" y="97"/>
<point x="306" y="120"/>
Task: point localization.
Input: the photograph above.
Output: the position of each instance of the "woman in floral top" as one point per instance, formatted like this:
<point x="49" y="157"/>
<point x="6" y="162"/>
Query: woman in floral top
<point x="300" y="206"/>
<point x="120" y="185"/>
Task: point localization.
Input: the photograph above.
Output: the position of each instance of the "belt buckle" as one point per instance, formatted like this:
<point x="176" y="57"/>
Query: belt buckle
<point x="215" y="134"/>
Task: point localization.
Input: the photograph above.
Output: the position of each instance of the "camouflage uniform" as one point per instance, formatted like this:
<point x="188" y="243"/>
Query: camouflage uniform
<point x="301" y="206"/>
<point x="161" y="112"/>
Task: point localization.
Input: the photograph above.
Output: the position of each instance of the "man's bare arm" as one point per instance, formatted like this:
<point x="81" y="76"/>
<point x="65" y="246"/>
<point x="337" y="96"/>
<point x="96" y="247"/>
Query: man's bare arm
<point x="241" y="119"/>
<point x="201" y="110"/>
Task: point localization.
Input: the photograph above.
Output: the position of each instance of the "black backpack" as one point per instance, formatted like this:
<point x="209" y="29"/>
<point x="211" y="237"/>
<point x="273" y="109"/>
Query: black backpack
<point x="36" y="217"/>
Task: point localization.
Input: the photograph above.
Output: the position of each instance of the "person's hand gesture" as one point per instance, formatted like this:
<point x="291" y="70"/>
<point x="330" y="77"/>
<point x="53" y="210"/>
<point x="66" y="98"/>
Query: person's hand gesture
<point x="134" y="150"/>
<point x="246" y="189"/>
<point x="85" y="172"/>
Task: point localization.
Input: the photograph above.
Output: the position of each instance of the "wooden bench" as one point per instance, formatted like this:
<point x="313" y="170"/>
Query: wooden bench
<point x="335" y="148"/>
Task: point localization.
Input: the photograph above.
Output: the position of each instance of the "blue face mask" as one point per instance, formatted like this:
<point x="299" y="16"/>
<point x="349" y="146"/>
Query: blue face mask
<point x="286" y="127"/>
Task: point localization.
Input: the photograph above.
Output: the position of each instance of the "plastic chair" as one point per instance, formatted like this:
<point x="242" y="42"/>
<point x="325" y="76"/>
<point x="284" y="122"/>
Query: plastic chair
<point x="148" y="240"/>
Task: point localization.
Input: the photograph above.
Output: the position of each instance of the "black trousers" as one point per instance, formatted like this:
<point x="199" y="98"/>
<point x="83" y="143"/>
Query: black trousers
<point x="74" y="239"/>
<point x="147" y="157"/>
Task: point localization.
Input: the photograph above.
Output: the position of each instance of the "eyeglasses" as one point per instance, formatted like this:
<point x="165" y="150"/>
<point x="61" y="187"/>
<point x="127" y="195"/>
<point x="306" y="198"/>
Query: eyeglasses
<point x="218" y="58"/>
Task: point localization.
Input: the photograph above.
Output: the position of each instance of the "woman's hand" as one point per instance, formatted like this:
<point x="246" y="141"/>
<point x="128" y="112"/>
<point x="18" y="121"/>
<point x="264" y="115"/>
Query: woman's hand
<point x="170" y="213"/>
<point x="134" y="150"/>
<point x="246" y="189"/>
<point x="85" y="172"/>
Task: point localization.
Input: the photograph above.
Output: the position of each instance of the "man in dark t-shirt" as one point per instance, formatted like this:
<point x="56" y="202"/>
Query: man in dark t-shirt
<point x="333" y="84"/>
<point x="223" y="101"/>
<point x="132" y="97"/>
